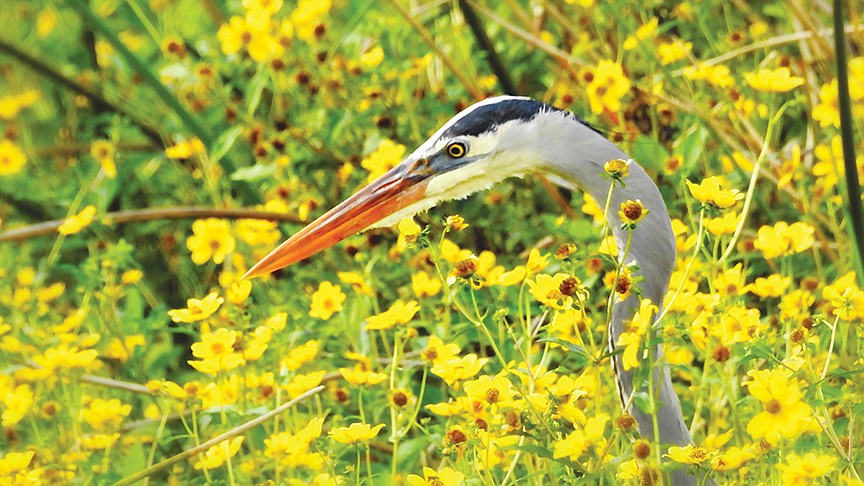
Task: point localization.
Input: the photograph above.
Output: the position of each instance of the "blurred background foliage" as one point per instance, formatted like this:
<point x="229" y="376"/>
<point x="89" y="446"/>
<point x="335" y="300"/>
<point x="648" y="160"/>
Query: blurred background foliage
<point x="289" y="108"/>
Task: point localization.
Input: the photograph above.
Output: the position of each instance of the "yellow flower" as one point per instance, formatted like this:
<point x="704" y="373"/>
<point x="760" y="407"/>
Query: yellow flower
<point x="783" y="239"/>
<point x="408" y="229"/>
<point x="361" y="377"/>
<point x="130" y="277"/>
<point x="460" y="406"/>
<point x="384" y="158"/>
<point x="577" y="442"/>
<point x="827" y="111"/>
<point x="196" y="309"/>
<point x="219" y="453"/>
<point x="425" y="285"/>
<point x="16" y="403"/>
<point x="398" y="313"/>
<point x="99" y="441"/>
<point x="455" y="223"/>
<point x="14" y="462"/>
<point x="326" y="301"/>
<point x="76" y="223"/>
<point x="676" y="50"/>
<point x="513" y="277"/>
<point x="845" y="298"/>
<point x="688" y="454"/>
<point x="488" y="390"/>
<point x="806" y="470"/>
<point x="784" y="415"/>
<point x="712" y="191"/>
<point x="258" y="232"/>
<point x="301" y="355"/>
<point x="120" y="349"/>
<point x="631" y="338"/>
<point x="103" y="152"/>
<point x="773" y="80"/>
<point x="772" y="286"/>
<point x="617" y="169"/>
<point x="438" y="352"/>
<point x="733" y="458"/>
<point x="632" y="212"/>
<point x="66" y="357"/>
<point x="357" y="282"/>
<point x="717" y="75"/>
<point x="644" y="32"/>
<point x="104" y="415"/>
<point x="457" y="369"/>
<point x="556" y="292"/>
<point x="288" y="444"/>
<point x="355" y="433"/>
<point x="277" y="321"/>
<point x="609" y="85"/>
<point x="444" y="477"/>
<point x="236" y="290"/>
<point x="12" y="159"/>
<point x="212" y="240"/>
<point x="308" y="15"/>
<point x="216" y="351"/>
<point x="12" y="104"/>
<point x="724" y="225"/>
<point x="303" y="383"/>
<point x="372" y="57"/>
<point x="185" y="149"/>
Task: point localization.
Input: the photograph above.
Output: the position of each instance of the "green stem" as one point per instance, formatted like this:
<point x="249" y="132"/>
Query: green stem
<point x="751" y="188"/>
<point x="99" y="101"/>
<point x="151" y="79"/>
<point x="700" y="234"/>
<point x="236" y="431"/>
<point x="853" y="187"/>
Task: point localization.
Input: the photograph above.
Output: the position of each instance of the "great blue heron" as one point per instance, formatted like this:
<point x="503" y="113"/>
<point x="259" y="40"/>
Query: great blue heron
<point x="510" y="136"/>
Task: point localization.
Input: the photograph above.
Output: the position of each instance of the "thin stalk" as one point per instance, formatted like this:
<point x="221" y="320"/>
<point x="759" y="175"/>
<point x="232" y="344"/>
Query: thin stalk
<point x="700" y="235"/>
<point x="751" y="188"/>
<point x="153" y="81"/>
<point x="492" y="57"/>
<point x="99" y="101"/>
<point x="236" y="431"/>
<point x="853" y="187"/>
<point x="135" y="215"/>
<point x="427" y="38"/>
<point x="166" y="96"/>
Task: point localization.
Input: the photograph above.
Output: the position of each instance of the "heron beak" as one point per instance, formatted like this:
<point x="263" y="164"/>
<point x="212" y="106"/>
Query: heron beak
<point x="393" y="191"/>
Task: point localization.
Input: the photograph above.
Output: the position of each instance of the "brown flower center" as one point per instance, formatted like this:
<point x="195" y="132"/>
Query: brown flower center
<point x="492" y="395"/>
<point x="569" y="286"/>
<point x="632" y="211"/>
<point x="773" y="406"/>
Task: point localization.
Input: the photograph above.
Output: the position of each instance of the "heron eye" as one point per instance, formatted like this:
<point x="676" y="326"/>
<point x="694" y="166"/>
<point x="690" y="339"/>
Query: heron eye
<point x="457" y="150"/>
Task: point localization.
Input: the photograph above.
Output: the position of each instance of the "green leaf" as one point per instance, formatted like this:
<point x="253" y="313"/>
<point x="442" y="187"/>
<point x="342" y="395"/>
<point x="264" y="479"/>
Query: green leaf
<point x="224" y="143"/>
<point x="648" y="152"/>
<point x="254" y="173"/>
<point x="690" y="148"/>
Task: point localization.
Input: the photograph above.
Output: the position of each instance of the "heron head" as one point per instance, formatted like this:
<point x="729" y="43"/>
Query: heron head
<point x="482" y="145"/>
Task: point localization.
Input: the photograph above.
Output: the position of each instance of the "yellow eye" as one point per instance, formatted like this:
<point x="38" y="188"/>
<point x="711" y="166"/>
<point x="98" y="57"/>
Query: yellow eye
<point x="456" y="150"/>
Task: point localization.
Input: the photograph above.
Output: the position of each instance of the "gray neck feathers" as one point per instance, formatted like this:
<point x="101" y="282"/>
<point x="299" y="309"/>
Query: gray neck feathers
<point x="574" y="156"/>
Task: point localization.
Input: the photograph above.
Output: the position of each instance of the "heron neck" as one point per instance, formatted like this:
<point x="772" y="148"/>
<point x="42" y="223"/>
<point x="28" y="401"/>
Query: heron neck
<point x="576" y="158"/>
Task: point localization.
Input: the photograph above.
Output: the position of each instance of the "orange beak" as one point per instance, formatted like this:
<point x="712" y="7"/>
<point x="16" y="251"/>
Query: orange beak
<point x="384" y="196"/>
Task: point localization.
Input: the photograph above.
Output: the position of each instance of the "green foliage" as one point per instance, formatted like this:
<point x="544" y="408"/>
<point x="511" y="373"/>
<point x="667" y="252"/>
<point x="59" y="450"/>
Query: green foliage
<point x="116" y="117"/>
